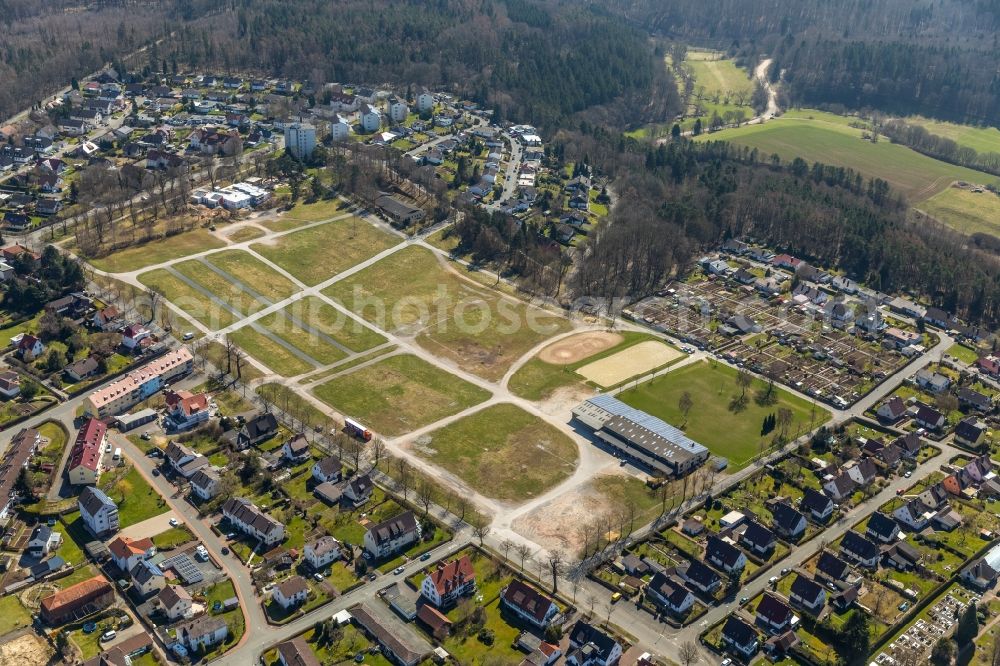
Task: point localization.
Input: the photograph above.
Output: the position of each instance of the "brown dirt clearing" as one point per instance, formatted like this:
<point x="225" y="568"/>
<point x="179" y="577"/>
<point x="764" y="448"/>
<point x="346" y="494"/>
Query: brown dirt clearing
<point x="578" y="347"/>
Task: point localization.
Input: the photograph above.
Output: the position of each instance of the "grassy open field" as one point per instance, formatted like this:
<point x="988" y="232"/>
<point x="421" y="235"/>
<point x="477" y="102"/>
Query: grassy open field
<point x="399" y="394"/>
<point x="254" y="273"/>
<point x="502" y="452"/>
<point x="227" y="292"/>
<point x="318" y="253"/>
<point x="538" y="379"/>
<point x="327" y="319"/>
<point x="965" y="211"/>
<point x="136" y="499"/>
<point x="269" y="352"/>
<point x="718" y="76"/>
<point x="245" y="234"/>
<point x="157" y="251"/>
<point x="980" y="139"/>
<point x="816" y="136"/>
<point x="476" y="327"/>
<point x="711" y="422"/>
<point x="187" y="298"/>
<point x="289" y="400"/>
<point x="13" y="615"/>
<point x="315" y="212"/>
<point x="315" y="346"/>
<point x="215" y="352"/>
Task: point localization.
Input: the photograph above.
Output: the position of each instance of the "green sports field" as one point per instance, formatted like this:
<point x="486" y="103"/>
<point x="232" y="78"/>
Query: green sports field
<point x="502" y="452"/>
<point x="399" y="394"/>
<point x="733" y="435"/>
<point x="822" y="137"/>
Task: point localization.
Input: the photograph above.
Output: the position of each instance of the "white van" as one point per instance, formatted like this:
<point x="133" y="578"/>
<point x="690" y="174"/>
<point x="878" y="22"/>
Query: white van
<point x="118" y="454"/>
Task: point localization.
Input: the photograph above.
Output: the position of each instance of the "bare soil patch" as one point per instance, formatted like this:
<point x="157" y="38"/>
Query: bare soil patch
<point x="553" y="525"/>
<point x="628" y="363"/>
<point x="26" y="650"/>
<point x="578" y="347"/>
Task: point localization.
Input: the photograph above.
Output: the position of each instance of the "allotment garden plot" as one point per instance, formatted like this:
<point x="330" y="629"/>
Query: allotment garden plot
<point x="792" y="344"/>
<point x="413" y="293"/>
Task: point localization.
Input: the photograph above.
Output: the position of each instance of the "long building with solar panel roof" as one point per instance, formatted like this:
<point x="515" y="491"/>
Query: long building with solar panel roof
<point x="650" y="441"/>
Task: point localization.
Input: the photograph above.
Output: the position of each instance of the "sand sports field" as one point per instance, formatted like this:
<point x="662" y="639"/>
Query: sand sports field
<point x="578" y="347"/>
<point x="628" y="363"/>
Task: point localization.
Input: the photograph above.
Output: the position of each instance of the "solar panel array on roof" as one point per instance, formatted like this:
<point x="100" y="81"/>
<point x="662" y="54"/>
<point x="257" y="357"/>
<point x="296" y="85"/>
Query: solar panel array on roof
<point x="656" y="426"/>
<point x="185" y="568"/>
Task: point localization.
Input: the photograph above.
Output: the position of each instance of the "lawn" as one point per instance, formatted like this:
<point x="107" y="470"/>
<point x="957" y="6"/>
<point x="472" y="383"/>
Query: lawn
<point x="399" y="394"/>
<point x="215" y="352"/>
<point x="537" y="380"/>
<point x="88" y="644"/>
<point x="233" y="295"/>
<point x="269" y="352"/>
<point x="13" y="615"/>
<point x="187" y="298"/>
<point x="502" y="452"/>
<point x="966" y="211"/>
<point x="136" y="499"/>
<point x="349" y="642"/>
<point x="720" y="76"/>
<point x="478" y="328"/>
<point x="313" y="343"/>
<point x="173" y="537"/>
<point x="245" y="234"/>
<point x="323" y="317"/>
<point x="316" y="212"/>
<point x="816" y="136"/>
<point x="254" y="273"/>
<point x="289" y="400"/>
<point x="316" y="254"/>
<point x="158" y="251"/>
<point x="711" y="422"/>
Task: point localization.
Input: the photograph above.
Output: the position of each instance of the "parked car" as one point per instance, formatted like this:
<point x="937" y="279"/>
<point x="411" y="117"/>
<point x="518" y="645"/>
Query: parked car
<point x="616" y="597"/>
<point x="318" y="577"/>
<point x="174" y="522"/>
<point x="108" y="635"/>
<point x="397" y="570"/>
<point x="425" y="557"/>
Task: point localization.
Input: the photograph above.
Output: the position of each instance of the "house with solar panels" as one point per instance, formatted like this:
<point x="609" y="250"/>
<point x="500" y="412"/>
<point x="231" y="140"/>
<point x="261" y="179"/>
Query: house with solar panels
<point x="643" y="438"/>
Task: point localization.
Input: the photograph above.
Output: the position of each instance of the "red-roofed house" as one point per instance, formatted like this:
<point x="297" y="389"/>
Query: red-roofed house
<point x="127" y="552"/>
<point x="786" y="261"/>
<point x="29" y="344"/>
<point x="449" y="582"/>
<point x="989" y="365"/>
<point x="185" y="410"/>
<point x="83" y="598"/>
<point x="134" y="334"/>
<point x="84" y="466"/>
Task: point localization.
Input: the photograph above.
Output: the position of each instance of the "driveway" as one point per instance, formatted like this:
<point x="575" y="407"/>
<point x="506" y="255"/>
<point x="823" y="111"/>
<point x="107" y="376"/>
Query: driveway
<point x="149" y="527"/>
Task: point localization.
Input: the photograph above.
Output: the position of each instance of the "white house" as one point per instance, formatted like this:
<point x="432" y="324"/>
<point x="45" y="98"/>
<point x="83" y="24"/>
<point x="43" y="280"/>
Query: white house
<point x="296" y="449"/>
<point x="914" y="514"/>
<point x="529" y="604"/>
<point x="205" y="483"/>
<point x="371" y="118"/>
<point x="300" y="140"/>
<point x="327" y="470"/>
<point x="448" y="583"/>
<point x="204" y="632"/>
<point x="248" y="519"/>
<point x="669" y="594"/>
<point x="290" y="592"/>
<point x="126" y="552"/>
<point x="321" y="552"/>
<point x="84" y="464"/>
<point x="724" y="555"/>
<point x="98" y="511"/>
<point x="359" y="489"/>
<point x="589" y="646"/>
<point x="398" y="110"/>
<point x="184" y="460"/>
<point x="43" y="541"/>
<point x="147" y="578"/>
<point x="425" y="101"/>
<point x="808" y="594"/>
<point x="340" y="129"/>
<point x="134" y="334"/>
<point x="175" y="602"/>
<point x="392" y="535"/>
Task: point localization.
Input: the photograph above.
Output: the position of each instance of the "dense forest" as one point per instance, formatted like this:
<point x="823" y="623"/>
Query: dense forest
<point x="940" y="58"/>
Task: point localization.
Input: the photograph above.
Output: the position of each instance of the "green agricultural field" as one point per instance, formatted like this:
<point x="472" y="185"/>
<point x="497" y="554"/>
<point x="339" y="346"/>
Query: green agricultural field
<point x="478" y="328"/>
<point x="325" y="318"/>
<point x="537" y="380"/>
<point x="399" y="394"/>
<point x="187" y="298"/>
<point x="231" y="294"/>
<point x="158" y="251"/>
<point x="254" y="273"/>
<point x="310" y="343"/>
<point x="269" y="352"/>
<point x="821" y="137"/>
<point x="502" y="452"/>
<point x="711" y="422"/>
<point x="966" y="211"/>
<point x="980" y="139"/>
<point x="317" y="254"/>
